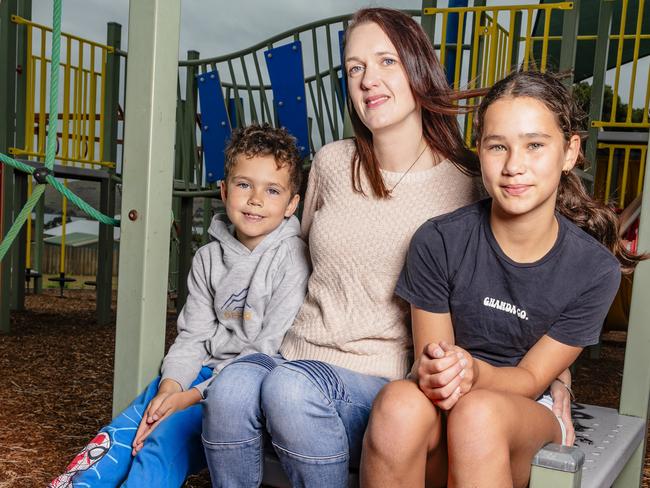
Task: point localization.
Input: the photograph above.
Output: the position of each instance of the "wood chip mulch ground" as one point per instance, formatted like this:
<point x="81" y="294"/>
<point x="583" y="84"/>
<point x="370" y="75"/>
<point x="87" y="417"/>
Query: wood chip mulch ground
<point x="57" y="376"/>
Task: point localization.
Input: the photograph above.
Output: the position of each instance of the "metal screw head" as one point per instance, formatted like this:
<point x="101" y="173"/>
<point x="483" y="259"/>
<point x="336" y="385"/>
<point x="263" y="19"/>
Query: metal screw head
<point x="223" y="123"/>
<point x="201" y="79"/>
<point x="299" y="98"/>
<point x="205" y="127"/>
<point x="269" y="55"/>
<point x="210" y="175"/>
<point x="212" y="76"/>
<point x="280" y="104"/>
<point x="294" y="47"/>
<point x="133" y="215"/>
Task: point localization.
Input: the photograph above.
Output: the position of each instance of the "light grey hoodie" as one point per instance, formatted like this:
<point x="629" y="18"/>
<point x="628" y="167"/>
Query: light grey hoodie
<point x="240" y="301"/>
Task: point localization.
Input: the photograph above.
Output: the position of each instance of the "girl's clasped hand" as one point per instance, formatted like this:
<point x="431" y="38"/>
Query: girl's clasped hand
<point x="444" y="373"/>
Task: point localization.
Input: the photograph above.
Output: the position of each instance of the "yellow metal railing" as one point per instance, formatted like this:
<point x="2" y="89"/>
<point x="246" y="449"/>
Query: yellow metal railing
<point x="80" y="134"/>
<point x="495" y="38"/>
<point x="620" y="40"/>
<point x="500" y="40"/>
<point x="630" y="184"/>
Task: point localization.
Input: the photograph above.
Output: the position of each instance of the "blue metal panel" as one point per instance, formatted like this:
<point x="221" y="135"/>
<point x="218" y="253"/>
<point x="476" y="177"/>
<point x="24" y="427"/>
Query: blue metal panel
<point x="284" y="64"/>
<point x="215" y="128"/>
<point x="452" y="37"/>
<point x="232" y="112"/>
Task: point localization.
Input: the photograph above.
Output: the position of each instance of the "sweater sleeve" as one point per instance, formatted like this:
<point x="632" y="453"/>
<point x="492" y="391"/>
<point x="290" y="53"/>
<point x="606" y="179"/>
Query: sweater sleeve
<point x="312" y="196"/>
<point x="196" y="323"/>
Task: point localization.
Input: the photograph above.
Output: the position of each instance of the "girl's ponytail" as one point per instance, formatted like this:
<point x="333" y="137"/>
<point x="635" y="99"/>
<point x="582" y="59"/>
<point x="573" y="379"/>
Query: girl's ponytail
<point x="595" y="218"/>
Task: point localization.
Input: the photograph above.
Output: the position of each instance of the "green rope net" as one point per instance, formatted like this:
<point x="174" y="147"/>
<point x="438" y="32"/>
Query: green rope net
<point x="50" y="151"/>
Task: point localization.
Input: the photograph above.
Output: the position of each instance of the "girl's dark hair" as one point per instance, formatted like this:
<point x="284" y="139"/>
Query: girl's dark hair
<point x="597" y="219"/>
<point x="430" y="91"/>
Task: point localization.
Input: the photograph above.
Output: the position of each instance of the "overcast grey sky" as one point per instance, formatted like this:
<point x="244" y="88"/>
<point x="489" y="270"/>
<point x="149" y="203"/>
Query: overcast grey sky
<point x="211" y="27"/>
<point x="215" y="27"/>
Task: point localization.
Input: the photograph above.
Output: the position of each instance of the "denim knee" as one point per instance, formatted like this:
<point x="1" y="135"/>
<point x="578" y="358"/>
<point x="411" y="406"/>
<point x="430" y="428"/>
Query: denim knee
<point x="231" y="408"/>
<point x="298" y="403"/>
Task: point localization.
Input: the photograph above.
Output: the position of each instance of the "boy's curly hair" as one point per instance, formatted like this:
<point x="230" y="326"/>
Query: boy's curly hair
<point x="265" y="140"/>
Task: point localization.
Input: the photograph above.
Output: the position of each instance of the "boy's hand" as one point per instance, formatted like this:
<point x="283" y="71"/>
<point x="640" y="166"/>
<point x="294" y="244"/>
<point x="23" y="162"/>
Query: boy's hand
<point x="445" y="373"/>
<point x="168" y="400"/>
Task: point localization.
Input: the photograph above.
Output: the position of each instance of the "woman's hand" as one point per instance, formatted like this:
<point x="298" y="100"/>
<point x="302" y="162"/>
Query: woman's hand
<point x="562" y="408"/>
<point x="444" y="372"/>
<point x="168" y="400"/>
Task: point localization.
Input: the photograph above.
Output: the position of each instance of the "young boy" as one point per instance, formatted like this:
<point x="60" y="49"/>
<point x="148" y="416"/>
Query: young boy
<point x="245" y="288"/>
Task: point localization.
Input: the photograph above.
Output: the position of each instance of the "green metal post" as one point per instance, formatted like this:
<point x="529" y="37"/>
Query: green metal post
<point x="208" y="211"/>
<point x="7" y="134"/>
<point x="190" y="174"/>
<point x="185" y="254"/>
<point x="545" y="477"/>
<point x="178" y="176"/>
<point x="105" y="247"/>
<point x="481" y="44"/>
<point x="598" y="84"/>
<point x="189" y="126"/>
<point x="104" y="279"/>
<point x="514" y="61"/>
<point x="569" y="41"/>
<point x="635" y="391"/>
<point x="428" y="22"/>
<point x="147" y="190"/>
<point x="24" y="10"/>
<point x="19" y="253"/>
<point x="37" y="249"/>
<point x="478" y="54"/>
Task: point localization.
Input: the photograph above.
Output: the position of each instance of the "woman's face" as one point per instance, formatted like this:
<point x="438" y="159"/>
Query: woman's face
<point x="377" y="83"/>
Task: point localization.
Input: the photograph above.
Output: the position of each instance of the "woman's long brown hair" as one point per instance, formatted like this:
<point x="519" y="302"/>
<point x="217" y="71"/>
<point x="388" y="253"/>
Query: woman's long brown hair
<point x="430" y="91"/>
<point x="597" y="219"/>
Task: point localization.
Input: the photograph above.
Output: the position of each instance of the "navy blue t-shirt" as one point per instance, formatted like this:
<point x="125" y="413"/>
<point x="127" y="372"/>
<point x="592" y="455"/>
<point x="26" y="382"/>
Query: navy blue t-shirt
<point x="501" y="308"/>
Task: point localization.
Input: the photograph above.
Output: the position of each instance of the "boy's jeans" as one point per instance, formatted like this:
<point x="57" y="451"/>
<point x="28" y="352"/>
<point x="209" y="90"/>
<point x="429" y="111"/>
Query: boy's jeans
<point x="315" y="414"/>
<point x="172" y="451"/>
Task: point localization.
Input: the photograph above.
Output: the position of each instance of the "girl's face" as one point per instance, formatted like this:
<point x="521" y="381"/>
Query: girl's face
<point x="377" y="83"/>
<point x="523" y="153"/>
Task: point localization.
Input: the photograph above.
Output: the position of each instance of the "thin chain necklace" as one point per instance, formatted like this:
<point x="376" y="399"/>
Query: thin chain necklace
<point x="409" y="169"/>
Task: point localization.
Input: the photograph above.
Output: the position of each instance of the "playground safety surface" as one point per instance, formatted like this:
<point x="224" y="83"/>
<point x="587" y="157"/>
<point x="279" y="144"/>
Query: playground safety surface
<point x="57" y="374"/>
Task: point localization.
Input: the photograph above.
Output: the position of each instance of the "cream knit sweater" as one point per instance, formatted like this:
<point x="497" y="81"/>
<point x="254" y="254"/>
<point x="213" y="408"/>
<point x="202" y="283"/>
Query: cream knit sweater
<point x="350" y="317"/>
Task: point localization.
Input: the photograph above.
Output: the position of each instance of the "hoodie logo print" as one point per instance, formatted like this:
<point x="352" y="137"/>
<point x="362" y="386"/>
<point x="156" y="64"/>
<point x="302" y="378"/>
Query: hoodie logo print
<point x="234" y="307"/>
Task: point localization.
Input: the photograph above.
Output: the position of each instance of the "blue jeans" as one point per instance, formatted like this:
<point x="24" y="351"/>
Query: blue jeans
<point x="314" y="414"/>
<point x="172" y="451"/>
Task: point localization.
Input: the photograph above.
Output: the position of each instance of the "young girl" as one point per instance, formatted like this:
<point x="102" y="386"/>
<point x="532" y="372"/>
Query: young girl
<point x="504" y="295"/>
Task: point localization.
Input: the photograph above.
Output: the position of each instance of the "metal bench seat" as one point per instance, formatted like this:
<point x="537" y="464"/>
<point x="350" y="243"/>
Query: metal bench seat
<point x="274" y="475"/>
<point x="605" y="441"/>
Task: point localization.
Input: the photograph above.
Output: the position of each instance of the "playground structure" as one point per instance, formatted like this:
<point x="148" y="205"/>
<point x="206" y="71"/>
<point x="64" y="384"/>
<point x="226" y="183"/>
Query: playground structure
<point x="478" y="45"/>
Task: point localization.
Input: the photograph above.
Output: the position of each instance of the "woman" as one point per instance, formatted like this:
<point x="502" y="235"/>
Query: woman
<point x="365" y="199"/>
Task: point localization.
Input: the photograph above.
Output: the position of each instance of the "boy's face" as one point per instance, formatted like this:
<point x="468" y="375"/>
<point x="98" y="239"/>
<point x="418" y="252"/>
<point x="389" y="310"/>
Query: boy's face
<point x="257" y="196"/>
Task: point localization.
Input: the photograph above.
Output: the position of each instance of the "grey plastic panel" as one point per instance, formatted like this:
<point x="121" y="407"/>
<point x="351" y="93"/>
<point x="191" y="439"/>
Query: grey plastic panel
<point x="607" y="440"/>
<point x="561" y="458"/>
